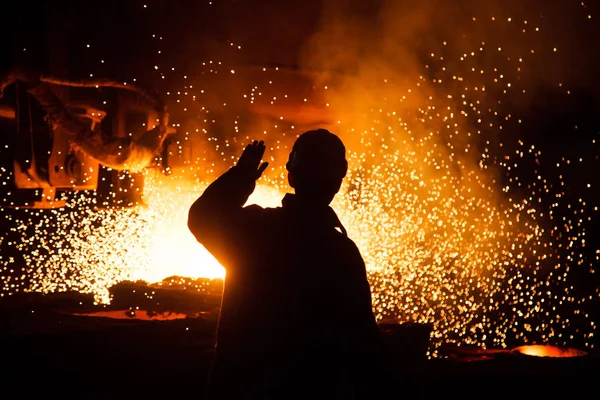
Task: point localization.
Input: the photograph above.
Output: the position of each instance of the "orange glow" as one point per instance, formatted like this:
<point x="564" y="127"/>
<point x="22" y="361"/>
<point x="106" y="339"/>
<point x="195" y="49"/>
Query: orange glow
<point x="171" y="250"/>
<point x="139" y="315"/>
<point x="538" y="350"/>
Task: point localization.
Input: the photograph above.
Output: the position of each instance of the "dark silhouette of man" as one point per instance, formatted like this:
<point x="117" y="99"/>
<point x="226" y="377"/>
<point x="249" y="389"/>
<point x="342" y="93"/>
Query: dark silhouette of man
<point x="296" y="316"/>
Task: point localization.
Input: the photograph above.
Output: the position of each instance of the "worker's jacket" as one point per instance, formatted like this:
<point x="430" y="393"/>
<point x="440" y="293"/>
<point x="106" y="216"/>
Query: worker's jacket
<point x="296" y="309"/>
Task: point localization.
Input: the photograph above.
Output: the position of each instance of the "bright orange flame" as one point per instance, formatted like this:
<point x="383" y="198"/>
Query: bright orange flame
<point x="171" y="248"/>
<point x="538" y="350"/>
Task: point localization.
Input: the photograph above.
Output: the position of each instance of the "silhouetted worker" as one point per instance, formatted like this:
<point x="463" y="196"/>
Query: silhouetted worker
<point x="296" y="318"/>
<point x="119" y="153"/>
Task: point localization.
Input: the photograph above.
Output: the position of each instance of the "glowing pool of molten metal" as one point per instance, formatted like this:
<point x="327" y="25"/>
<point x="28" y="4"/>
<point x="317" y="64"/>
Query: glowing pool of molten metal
<point x="538" y="350"/>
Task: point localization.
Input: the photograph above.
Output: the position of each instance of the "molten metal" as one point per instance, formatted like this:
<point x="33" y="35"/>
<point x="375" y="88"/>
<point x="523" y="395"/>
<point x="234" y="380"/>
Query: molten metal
<point x="538" y="350"/>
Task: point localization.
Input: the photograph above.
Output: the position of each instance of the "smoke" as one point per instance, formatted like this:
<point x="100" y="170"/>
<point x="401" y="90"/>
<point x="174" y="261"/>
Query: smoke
<point x="429" y="98"/>
<point x="393" y="77"/>
<point x="378" y="50"/>
<point x="462" y="75"/>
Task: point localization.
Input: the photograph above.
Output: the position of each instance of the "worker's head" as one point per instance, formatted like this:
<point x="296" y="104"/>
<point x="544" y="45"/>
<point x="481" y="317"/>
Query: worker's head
<point x="317" y="165"/>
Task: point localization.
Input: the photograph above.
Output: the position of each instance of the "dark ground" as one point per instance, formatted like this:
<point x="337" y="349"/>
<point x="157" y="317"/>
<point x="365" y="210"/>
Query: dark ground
<point x="52" y="352"/>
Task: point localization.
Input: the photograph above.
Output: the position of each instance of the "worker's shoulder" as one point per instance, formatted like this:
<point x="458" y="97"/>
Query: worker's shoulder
<point x="262" y="217"/>
<point x="257" y="208"/>
<point x="262" y="212"/>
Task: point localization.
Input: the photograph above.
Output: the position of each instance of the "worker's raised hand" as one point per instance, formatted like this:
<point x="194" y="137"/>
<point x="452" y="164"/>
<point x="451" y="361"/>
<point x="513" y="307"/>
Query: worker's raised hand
<point x="249" y="162"/>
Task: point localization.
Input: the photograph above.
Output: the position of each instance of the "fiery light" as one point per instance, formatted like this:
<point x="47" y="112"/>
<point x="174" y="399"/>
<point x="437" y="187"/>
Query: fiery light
<point x="452" y="234"/>
<point x="89" y="249"/>
<point x="549" y="351"/>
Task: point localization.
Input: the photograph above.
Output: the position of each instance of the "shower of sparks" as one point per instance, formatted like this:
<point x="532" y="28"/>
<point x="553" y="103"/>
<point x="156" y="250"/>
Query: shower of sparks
<point x="445" y="239"/>
<point x="89" y="249"/>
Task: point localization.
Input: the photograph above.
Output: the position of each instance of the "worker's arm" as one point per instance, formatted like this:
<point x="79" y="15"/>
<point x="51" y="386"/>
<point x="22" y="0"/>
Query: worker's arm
<point x="213" y="216"/>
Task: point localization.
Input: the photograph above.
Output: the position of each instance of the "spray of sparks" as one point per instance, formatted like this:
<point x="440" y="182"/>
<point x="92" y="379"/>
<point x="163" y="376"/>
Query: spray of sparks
<point x="444" y="242"/>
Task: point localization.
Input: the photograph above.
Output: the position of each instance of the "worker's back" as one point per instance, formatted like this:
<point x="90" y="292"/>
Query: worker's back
<point x="296" y="301"/>
<point x="296" y="318"/>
